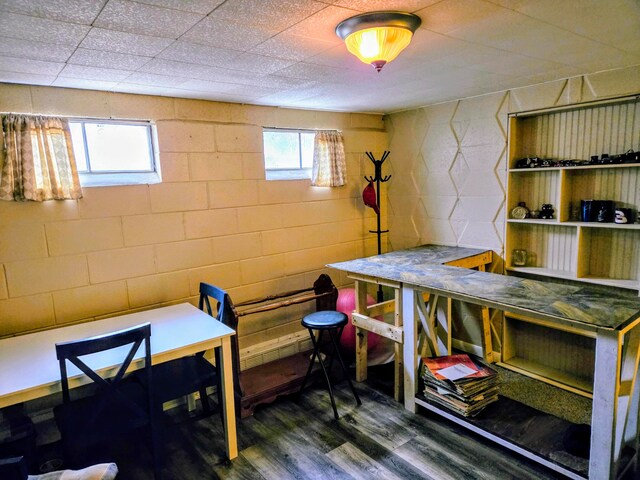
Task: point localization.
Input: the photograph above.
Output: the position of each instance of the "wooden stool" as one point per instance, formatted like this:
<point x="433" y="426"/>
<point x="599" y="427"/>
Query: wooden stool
<point x="333" y="322"/>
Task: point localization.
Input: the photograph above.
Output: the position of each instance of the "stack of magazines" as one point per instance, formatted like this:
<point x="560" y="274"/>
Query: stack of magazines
<point x="459" y="383"/>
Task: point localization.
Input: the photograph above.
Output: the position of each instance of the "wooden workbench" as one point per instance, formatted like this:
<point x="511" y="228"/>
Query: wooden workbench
<point x="613" y="319"/>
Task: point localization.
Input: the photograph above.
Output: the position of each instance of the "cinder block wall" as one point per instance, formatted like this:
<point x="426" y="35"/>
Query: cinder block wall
<point x="214" y="217"/>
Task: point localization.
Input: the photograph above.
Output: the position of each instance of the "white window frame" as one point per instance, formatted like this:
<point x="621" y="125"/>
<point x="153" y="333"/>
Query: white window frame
<point x="121" y="177"/>
<point x="288" y="173"/>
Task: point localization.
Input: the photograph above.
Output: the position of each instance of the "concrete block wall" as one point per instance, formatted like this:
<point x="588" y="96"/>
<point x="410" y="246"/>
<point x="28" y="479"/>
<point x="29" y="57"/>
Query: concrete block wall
<point x="214" y="217"/>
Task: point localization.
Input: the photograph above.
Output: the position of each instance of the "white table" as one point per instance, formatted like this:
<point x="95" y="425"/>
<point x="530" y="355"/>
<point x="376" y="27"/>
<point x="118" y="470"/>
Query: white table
<point x="29" y="368"/>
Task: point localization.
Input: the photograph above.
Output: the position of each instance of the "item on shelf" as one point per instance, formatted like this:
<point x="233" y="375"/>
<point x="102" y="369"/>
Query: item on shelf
<point x="459" y="383"/>
<point x="519" y="257"/>
<point x="605" y="211"/>
<point x="527" y="162"/>
<point x="630" y="157"/>
<point x="534" y="214"/>
<point x="520" y="212"/>
<point x="589" y="209"/>
<point x="623" y="215"/>
<point x="574" y="212"/>
<point x="546" y="212"/>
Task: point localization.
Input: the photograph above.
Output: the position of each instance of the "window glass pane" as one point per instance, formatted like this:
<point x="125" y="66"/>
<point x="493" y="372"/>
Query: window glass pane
<point x="306" y="143"/>
<point x="115" y="147"/>
<point x="78" y="146"/>
<point x="281" y="150"/>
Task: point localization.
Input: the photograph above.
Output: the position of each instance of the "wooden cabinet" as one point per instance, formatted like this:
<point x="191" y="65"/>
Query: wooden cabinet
<point x="565" y="247"/>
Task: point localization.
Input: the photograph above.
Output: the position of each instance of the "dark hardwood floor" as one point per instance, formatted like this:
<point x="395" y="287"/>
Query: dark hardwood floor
<point x="292" y="439"/>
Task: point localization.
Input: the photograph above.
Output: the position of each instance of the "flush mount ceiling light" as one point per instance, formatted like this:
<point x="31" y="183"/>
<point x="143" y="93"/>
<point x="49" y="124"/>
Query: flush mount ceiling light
<point x="378" y="37"/>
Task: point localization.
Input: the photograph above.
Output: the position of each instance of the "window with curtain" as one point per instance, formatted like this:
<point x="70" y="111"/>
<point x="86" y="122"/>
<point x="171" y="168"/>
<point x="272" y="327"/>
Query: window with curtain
<point x="329" y="166"/>
<point x="38" y="162"/>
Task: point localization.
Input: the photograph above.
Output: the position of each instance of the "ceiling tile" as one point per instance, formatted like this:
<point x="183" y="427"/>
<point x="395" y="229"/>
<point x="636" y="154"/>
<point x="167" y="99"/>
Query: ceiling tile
<point x="309" y="71"/>
<point x="13" y="47"/>
<point x="286" y="52"/>
<point x="195" y="6"/>
<point x="201" y="54"/>
<point x="227" y="34"/>
<point x="322" y="24"/>
<point x="21" y="65"/>
<point x="293" y="47"/>
<point x="143" y="19"/>
<point x="586" y="18"/>
<point x="374" y="5"/>
<point x="40" y="29"/>
<point x="100" y="58"/>
<point x="93" y="73"/>
<point x="271" y="15"/>
<point x="450" y="15"/>
<point x="26" y="78"/>
<point x="83" y="83"/>
<point x="252" y="91"/>
<point x="249" y="62"/>
<point x="72" y="11"/>
<point x="113" y="41"/>
<point x="202" y="72"/>
<point x="155" y="80"/>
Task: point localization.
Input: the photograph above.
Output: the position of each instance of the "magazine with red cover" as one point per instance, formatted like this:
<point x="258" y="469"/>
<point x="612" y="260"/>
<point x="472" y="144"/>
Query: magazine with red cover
<point x="438" y="363"/>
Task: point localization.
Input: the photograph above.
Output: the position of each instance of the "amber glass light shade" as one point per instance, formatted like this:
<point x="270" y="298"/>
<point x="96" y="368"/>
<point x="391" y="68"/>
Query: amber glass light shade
<point x="378" y="46"/>
<point x="378" y="37"/>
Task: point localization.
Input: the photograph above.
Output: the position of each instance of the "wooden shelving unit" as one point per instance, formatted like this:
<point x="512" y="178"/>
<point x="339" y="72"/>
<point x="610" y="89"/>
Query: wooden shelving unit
<point x="605" y="254"/>
<point x="596" y="253"/>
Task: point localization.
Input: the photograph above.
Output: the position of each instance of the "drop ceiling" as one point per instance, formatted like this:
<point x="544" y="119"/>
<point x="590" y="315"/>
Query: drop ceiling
<point x="286" y="53"/>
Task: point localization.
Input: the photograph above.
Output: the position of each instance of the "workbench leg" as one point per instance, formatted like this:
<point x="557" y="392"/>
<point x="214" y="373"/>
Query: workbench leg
<point x="409" y="357"/>
<point x="605" y="400"/>
<point x="397" y="348"/>
<point x="361" y="334"/>
<point x="487" y="345"/>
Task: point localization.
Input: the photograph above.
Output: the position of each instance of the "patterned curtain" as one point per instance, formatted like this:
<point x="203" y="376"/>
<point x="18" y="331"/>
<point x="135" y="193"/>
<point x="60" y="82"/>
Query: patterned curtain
<point x="38" y="159"/>
<point x="329" y="166"/>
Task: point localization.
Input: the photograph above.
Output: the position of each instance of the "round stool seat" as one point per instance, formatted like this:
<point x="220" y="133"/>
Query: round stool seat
<point x="324" y="320"/>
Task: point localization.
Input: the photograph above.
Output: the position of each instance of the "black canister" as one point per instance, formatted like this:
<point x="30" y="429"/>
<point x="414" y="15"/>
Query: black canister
<point x="589" y="210"/>
<point x="606" y="211"/>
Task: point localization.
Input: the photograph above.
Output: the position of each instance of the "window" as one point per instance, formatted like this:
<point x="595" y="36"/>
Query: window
<point x="114" y="152"/>
<point x="288" y="154"/>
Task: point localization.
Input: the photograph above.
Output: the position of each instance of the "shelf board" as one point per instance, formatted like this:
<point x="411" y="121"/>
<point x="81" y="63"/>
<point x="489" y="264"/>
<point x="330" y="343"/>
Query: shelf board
<point x="551" y="221"/>
<point x="558" y="378"/>
<point x="554" y="221"/>
<point x="508" y="423"/>
<point x="585" y="167"/>
<point x="548" y="272"/>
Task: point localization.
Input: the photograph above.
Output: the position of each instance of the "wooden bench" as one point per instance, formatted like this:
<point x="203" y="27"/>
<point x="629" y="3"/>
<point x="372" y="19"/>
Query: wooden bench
<point x="264" y="383"/>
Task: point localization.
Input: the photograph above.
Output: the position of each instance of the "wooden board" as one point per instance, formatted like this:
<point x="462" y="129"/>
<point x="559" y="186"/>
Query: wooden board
<point x="537" y="433"/>
<point x="265" y="383"/>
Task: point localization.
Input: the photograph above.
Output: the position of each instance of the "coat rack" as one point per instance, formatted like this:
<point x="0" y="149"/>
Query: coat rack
<point x="378" y="178"/>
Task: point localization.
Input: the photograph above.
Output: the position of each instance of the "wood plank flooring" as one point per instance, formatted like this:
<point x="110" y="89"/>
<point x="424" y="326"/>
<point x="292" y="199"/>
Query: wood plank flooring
<point x="300" y="439"/>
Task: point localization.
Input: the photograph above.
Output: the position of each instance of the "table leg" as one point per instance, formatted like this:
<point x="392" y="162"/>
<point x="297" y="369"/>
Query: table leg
<point x="605" y="398"/>
<point x="409" y="358"/>
<point x="360" y="333"/>
<point x="228" y="409"/>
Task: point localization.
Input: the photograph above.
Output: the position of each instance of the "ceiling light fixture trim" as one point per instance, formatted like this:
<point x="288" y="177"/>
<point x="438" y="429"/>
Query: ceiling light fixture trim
<point x="378" y="37"/>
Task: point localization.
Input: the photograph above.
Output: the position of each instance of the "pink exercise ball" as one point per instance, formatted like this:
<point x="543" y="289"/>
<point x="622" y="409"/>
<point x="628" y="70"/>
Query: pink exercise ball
<point x="346" y="304"/>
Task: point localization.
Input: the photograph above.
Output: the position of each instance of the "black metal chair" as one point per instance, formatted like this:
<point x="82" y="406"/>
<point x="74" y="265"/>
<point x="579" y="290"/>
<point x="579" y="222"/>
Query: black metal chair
<point x="333" y="323"/>
<point x="119" y="406"/>
<point x="194" y="373"/>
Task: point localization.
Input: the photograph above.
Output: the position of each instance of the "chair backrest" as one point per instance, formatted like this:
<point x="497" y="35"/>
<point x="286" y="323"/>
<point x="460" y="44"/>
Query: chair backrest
<point x="226" y="314"/>
<point x="14" y="468"/>
<point x="108" y="388"/>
